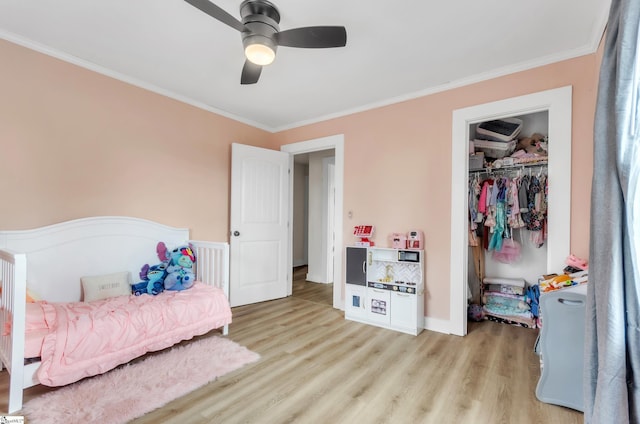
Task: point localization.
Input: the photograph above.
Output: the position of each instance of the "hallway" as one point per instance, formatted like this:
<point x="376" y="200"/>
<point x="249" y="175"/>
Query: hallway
<point x="312" y="292"/>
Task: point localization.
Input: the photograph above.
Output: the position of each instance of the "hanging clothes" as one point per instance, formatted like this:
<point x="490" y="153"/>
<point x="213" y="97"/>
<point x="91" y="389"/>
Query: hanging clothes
<point x="515" y="217"/>
<point x="500" y="187"/>
<point x="505" y="201"/>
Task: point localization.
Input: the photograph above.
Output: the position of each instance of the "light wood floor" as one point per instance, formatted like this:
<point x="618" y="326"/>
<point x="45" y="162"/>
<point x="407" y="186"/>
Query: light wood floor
<point x="316" y="367"/>
<point x="313" y="292"/>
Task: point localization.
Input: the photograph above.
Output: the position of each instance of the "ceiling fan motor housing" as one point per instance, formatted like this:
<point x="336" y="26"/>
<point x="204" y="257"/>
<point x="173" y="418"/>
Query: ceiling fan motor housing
<point x="261" y="19"/>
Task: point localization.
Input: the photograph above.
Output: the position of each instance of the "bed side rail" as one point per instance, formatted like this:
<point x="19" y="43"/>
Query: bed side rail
<point x="13" y="279"/>
<point x="212" y="263"/>
<point x="212" y="266"/>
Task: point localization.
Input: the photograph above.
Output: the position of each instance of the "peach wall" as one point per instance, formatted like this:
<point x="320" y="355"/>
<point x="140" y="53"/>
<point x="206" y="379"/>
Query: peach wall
<point x="410" y="142"/>
<point x="75" y="143"/>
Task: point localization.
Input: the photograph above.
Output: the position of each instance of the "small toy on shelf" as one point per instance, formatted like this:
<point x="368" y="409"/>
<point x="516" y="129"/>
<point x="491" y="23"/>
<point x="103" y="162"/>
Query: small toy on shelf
<point x="534" y="145"/>
<point x="415" y="240"/>
<point x="364" y="233"/>
<point x="398" y="240"/>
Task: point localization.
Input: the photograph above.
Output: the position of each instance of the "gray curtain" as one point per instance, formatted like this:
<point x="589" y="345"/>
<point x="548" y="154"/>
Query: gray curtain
<point x="612" y="355"/>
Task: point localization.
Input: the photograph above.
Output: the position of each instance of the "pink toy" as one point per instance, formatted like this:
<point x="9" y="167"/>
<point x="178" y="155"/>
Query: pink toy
<point x="577" y="262"/>
<point x="364" y="233"/>
<point x="415" y="240"/>
<point x="398" y="240"/>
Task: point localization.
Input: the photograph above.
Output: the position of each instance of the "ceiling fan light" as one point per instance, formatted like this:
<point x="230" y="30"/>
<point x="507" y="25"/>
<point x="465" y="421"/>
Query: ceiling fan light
<point x="260" y="54"/>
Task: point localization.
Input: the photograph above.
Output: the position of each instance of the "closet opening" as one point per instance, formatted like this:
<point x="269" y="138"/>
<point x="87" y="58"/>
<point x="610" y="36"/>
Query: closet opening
<point x="507" y="188"/>
<point x="546" y="113"/>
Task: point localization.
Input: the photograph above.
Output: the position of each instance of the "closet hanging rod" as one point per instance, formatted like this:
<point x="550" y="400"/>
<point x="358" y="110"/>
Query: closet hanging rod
<point x="511" y="168"/>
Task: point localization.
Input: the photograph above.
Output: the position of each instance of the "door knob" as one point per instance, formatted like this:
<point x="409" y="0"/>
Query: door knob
<point x="236" y="233"/>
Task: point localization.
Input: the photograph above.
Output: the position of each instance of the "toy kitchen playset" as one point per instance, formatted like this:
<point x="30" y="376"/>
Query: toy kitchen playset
<point x="385" y="285"/>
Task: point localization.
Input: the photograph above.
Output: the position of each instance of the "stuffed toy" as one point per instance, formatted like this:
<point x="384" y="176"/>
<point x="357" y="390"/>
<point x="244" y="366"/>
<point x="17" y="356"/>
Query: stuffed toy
<point x="475" y="312"/>
<point x="179" y="279"/>
<point x="180" y="262"/>
<point x="153" y="279"/>
<point x="537" y="144"/>
<point x="139" y="288"/>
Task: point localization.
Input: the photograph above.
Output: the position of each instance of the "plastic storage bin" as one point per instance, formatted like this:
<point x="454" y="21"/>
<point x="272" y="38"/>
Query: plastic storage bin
<point x="499" y="130"/>
<point x="495" y="149"/>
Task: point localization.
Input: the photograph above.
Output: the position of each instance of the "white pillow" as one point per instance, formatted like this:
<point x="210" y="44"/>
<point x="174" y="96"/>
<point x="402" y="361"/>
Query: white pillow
<point x="103" y="286"/>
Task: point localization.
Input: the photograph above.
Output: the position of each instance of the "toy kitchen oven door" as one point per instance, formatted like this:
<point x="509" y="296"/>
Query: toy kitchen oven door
<point x="379" y="297"/>
<point x="379" y="300"/>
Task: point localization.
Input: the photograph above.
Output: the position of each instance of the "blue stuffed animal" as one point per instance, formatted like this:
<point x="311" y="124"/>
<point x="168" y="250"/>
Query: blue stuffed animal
<point x="179" y="279"/>
<point x="153" y="279"/>
<point x="180" y="274"/>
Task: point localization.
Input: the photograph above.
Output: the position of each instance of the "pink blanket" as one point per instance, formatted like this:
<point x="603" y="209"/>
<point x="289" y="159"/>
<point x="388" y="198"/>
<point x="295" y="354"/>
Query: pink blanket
<point x="87" y="339"/>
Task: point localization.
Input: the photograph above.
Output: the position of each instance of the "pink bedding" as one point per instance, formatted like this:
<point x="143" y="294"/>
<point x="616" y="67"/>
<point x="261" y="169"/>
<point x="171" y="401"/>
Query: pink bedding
<point x="33" y="343"/>
<point x="86" y="339"/>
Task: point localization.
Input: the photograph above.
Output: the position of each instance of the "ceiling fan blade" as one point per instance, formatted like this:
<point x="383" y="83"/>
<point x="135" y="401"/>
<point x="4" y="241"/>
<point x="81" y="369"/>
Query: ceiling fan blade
<point x="215" y="11"/>
<point x="317" y="37"/>
<point x="250" y="73"/>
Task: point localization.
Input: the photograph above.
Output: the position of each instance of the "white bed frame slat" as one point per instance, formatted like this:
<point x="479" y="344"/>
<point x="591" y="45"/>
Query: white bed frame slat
<point x="50" y="261"/>
<point x="14" y="282"/>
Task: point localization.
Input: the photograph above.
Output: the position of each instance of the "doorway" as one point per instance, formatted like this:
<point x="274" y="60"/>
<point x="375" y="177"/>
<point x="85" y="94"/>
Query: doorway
<point x="331" y="262"/>
<point x="313" y="229"/>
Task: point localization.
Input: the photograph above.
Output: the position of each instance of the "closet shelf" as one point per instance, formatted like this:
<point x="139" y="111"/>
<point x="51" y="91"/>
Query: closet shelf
<point x="516" y="167"/>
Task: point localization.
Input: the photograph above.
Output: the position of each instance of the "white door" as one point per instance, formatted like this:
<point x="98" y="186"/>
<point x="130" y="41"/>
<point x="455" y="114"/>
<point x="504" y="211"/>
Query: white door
<point x="259" y="230"/>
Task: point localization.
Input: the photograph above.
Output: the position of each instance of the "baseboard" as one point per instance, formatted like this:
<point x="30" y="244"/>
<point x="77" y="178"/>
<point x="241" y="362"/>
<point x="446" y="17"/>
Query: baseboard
<point x="299" y="262"/>
<point x="437" y="325"/>
<point x="316" y="279"/>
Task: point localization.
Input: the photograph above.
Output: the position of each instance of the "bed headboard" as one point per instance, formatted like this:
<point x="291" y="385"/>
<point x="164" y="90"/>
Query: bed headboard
<point x="58" y="255"/>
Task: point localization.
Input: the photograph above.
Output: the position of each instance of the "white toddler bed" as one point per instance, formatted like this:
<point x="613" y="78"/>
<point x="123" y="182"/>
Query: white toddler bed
<point x="49" y="263"/>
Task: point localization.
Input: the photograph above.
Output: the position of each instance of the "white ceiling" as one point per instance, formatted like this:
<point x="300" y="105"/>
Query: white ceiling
<point x="396" y="50"/>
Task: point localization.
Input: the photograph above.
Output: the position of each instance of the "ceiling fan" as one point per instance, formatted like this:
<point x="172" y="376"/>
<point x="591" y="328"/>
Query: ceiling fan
<point x="261" y="34"/>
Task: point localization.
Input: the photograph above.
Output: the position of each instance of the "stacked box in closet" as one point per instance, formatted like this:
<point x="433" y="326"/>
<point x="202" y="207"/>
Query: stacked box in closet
<point x="497" y="139"/>
<point x="511" y="301"/>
